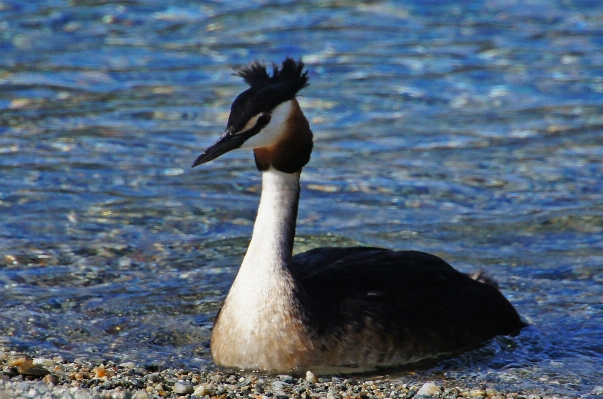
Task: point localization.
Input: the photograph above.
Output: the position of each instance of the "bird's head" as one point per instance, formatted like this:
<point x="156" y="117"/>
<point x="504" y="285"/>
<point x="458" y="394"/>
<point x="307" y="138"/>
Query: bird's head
<point x="267" y="118"/>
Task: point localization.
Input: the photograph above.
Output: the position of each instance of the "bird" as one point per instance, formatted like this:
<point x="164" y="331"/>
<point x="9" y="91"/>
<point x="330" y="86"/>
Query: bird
<point x="331" y="310"/>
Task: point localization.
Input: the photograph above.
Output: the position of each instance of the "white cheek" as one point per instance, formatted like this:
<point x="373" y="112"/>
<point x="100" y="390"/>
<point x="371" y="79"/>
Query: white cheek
<point x="270" y="133"/>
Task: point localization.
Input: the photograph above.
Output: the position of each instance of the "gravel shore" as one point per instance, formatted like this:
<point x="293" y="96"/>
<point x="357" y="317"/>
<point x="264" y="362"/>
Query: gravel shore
<point x="24" y="377"/>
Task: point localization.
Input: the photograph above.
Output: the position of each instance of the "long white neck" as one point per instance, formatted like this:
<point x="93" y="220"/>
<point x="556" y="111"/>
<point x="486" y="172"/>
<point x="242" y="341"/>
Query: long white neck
<point x="261" y="318"/>
<point x="274" y="229"/>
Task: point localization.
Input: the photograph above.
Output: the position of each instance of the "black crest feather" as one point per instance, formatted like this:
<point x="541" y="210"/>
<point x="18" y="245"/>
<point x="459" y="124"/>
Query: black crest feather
<point x="291" y="75"/>
<point x="255" y="74"/>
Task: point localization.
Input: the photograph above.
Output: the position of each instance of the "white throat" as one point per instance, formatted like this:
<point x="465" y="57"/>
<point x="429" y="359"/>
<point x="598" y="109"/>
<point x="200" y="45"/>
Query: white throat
<point x="272" y="240"/>
<point x="265" y="268"/>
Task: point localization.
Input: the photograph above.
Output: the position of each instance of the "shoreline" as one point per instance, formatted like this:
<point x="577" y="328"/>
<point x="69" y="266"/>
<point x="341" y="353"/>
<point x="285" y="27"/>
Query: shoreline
<point x="22" y="376"/>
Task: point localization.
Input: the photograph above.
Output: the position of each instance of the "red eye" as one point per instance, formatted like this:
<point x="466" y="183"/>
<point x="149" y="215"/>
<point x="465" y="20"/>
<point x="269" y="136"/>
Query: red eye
<point x="264" y="119"/>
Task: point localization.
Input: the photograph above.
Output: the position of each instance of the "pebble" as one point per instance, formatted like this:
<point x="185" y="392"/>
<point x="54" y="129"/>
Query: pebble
<point x="202" y="390"/>
<point x="311" y="378"/>
<point x="81" y="395"/>
<point x="44" y="362"/>
<point x="16" y="360"/>
<point x="183" y="387"/>
<point x="279" y="385"/>
<point x="332" y="395"/>
<point x="102" y="372"/>
<point x="429" y="389"/>
<point x="31" y="370"/>
<point x="127" y="365"/>
<point x="85" y="379"/>
<point x="476" y="393"/>
<point x="50" y="379"/>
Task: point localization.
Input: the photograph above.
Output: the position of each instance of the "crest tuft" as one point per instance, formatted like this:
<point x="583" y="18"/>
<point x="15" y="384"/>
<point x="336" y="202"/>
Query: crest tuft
<point x="290" y="76"/>
<point x="255" y="74"/>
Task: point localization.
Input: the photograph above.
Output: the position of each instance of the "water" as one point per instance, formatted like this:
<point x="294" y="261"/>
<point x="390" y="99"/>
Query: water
<point x="472" y="130"/>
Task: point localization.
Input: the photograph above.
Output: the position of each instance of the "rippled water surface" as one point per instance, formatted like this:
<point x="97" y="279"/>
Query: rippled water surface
<point x="473" y="131"/>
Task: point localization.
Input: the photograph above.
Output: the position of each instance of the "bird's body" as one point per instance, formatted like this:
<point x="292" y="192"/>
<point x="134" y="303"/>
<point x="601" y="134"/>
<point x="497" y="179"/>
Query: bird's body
<point x="331" y="309"/>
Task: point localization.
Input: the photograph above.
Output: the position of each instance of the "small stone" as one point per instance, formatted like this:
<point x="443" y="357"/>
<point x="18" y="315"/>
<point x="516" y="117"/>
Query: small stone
<point x="23" y="386"/>
<point x="202" y="390"/>
<point x="50" y="379"/>
<point x="411" y="393"/>
<point x="279" y="385"/>
<point x="31" y="370"/>
<point x="127" y="365"/>
<point x="81" y="395"/>
<point x="136" y="383"/>
<point x="183" y="387"/>
<point x="333" y="395"/>
<point x="286" y="378"/>
<point x="140" y="395"/>
<point x="9" y="371"/>
<point x="474" y="393"/>
<point x="80" y="375"/>
<point x="310" y="377"/>
<point x="44" y="362"/>
<point x="102" y="372"/>
<point x="429" y="389"/>
<point x="16" y="360"/>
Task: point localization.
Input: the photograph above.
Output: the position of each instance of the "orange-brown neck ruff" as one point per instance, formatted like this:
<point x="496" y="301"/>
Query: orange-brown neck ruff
<point x="293" y="149"/>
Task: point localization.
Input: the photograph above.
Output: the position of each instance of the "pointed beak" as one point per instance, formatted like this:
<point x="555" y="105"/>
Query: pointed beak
<point x="227" y="142"/>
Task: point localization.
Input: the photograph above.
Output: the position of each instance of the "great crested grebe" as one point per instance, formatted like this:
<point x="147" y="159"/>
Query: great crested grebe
<point x="331" y="309"/>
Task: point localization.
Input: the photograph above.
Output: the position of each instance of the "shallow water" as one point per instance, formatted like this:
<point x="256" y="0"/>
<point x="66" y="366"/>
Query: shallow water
<point x="473" y="131"/>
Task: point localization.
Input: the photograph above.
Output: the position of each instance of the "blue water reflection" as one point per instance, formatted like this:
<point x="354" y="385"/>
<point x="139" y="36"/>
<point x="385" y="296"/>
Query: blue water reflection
<point x="471" y="129"/>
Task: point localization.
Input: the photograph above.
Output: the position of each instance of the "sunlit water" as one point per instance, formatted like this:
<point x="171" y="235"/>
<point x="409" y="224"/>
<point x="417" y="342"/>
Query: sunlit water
<point x="473" y="131"/>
